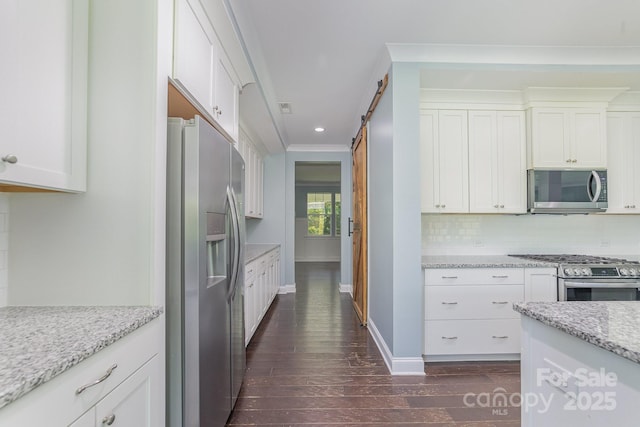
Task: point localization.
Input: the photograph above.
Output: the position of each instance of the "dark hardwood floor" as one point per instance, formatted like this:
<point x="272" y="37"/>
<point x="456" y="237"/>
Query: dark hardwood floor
<point x="310" y="363"/>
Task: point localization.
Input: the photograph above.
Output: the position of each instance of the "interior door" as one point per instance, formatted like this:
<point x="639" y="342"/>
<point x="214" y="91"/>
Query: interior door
<point x="359" y="234"/>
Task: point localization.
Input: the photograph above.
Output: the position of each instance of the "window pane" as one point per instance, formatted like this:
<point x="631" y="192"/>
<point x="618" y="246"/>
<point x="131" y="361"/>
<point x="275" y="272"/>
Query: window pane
<point x="337" y="211"/>
<point x="319" y="210"/>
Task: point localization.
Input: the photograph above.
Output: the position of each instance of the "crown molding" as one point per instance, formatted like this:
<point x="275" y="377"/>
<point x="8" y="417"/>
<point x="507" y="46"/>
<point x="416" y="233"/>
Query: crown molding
<point x="318" y="148"/>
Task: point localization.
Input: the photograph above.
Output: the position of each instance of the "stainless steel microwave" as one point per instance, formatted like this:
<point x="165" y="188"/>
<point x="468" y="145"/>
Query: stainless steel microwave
<point x="566" y="191"/>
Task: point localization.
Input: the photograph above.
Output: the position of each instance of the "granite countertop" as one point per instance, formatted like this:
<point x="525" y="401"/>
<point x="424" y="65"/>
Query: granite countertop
<point x="255" y="250"/>
<point x="39" y="343"/>
<point x="611" y="325"/>
<point x="481" y="261"/>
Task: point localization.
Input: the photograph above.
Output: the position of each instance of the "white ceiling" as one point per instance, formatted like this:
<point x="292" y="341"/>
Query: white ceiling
<point x="324" y="56"/>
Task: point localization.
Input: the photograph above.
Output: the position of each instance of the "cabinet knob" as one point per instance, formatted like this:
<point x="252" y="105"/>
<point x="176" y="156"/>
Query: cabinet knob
<point x="627" y="206"/>
<point x="501" y="206"/>
<point x="495" y="206"/>
<point x="437" y="206"/>
<point x="574" y="161"/>
<point x="568" y="161"/>
<point x="442" y="206"/>
<point x="10" y="158"/>
<point x="217" y="110"/>
<point x="633" y="206"/>
<point x="109" y="419"/>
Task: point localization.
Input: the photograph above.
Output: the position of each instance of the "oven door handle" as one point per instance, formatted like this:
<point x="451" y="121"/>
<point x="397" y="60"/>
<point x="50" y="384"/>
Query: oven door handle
<point x="625" y="285"/>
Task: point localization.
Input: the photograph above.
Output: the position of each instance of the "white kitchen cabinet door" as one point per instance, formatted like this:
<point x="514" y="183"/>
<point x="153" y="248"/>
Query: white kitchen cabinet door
<point x="540" y="284"/>
<point x="194" y="53"/>
<point x="568" y="138"/>
<point x="444" y="161"/>
<point x="87" y="420"/>
<point x="623" y="173"/>
<point x="483" y="162"/>
<point x="134" y="403"/>
<point x="512" y="162"/>
<point x="225" y="97"/>
<point x="43" y="125"/>
<point x="497" y="162"/>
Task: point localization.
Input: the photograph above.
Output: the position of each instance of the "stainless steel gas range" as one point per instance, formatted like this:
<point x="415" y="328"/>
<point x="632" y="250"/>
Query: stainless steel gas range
<point x="594" y="278"/>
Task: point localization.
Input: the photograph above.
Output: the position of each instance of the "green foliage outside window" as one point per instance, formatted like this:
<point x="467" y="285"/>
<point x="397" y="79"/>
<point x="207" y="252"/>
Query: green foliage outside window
<point x="320" y="214"/>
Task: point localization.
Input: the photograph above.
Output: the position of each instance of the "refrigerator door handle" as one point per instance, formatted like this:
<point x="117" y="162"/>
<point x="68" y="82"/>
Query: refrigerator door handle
<point x="236" y="244"/>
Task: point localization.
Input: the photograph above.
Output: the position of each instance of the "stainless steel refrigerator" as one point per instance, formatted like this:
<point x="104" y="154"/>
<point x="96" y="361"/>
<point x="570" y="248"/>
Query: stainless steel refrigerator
<point x="205" y="272"/>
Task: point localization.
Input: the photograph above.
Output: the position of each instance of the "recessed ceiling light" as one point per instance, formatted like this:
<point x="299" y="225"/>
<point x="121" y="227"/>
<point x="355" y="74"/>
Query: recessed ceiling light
<point x="319" y="129"/>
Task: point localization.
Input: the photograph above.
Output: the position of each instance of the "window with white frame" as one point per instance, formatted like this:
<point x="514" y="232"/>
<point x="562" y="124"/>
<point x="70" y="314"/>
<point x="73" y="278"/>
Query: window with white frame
<point x="323" y="214"/>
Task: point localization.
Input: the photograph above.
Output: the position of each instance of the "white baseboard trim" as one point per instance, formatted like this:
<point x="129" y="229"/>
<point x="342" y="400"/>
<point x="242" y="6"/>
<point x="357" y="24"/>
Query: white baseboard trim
<point x="287" y="289"/>
<point x="396" y="365"/>
<point x="346" y="287"/>
<point x="317" y="260"/>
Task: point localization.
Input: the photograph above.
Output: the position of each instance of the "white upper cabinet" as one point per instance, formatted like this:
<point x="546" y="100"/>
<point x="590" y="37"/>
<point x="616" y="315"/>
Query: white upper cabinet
<point x="567" y="138"/>
<point x="193" y="57"/>
<point x="44" y="50"/>
<point x="497" y="161"/>
<point x="253" y="181"/>
<point x="444" y="161"/>
<point x="226" y="108"/>
<point x="623" y="173"/>
<point x="201" y="67"/>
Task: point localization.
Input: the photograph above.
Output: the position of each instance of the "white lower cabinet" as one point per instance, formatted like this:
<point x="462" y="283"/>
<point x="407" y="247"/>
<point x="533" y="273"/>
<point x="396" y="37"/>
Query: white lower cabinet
<point x="262" y="281"/>
<point x="94" y="392"/>
<point x="469" y="314"/>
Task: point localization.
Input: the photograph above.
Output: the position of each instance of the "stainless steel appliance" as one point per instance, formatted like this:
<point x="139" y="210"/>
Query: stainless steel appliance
<point x="594" y="278"/>
<point x="205" y="272"/>
<point x="567" y="191"/>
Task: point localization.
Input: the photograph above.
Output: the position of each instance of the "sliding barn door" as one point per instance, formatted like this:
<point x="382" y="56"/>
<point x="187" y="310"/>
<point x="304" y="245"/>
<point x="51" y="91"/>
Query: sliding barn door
<point x="359" y="171"/>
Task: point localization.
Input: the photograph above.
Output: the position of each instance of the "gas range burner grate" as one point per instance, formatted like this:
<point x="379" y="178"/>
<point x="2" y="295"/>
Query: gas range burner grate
<point x="575" y="259"/>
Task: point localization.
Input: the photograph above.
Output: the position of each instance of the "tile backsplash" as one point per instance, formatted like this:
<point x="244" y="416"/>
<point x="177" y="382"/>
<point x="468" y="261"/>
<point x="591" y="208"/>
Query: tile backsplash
<point x="4" y="247"/>
<point x="505" y="234"/>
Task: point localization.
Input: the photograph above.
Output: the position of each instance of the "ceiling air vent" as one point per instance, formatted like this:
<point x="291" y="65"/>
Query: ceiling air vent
<point x="285" y="107"/>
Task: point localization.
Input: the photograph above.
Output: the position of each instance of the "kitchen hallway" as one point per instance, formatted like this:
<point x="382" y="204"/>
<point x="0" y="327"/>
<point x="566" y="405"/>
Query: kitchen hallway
<point x="311" y="363"/>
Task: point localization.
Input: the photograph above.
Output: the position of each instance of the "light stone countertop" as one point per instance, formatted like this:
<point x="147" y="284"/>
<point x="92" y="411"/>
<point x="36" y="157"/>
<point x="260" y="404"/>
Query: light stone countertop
<point x="39" y="343"/>
<point x="255" y="250"/>
<point x="611" y="325"/>
<point x="481" y="261"/>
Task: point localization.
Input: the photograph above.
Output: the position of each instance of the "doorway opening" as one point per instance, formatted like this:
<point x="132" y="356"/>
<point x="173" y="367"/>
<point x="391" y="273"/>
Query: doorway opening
<point x="318" y="203"/>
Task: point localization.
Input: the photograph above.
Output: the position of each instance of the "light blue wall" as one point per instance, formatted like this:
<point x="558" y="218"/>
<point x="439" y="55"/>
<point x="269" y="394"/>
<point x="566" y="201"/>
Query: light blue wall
<point x="407" y="240"/>
<point x="395" y="275"/>
<point x="380" y="148"/>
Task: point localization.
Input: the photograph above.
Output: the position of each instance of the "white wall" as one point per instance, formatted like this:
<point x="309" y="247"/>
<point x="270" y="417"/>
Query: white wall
<point x="505" y="234"/>
<point x="315" y="248"/>
<point x="106" y="246"/>
<point x="4" y="247"/>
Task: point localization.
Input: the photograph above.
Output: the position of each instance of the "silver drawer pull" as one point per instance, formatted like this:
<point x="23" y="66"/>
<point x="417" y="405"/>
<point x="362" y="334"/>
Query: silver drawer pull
<point x="500" y="277"/>
<point x="499" y="302"/>
<point x="449" y="277"/>
<point x="98" y="381"/>
<point x="109" y="419"/>
<point x="502" y="337"/>
<point x="449" y="338"/>
<point x="449" y="303"/>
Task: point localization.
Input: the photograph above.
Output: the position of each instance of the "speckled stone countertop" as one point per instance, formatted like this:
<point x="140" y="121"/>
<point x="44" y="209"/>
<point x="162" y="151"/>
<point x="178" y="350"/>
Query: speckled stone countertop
<point x="611" y="325"/>
<point x="481" y="261"/>
<point x="39" y="343"/>
<point x="255" y="250"/>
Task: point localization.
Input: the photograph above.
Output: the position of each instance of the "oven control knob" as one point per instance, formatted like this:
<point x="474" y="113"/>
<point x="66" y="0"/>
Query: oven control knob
<point x="586" y="272"/>
<point x="633" y="272"/>
<point x="568" y="272"/>
<point x="624" y="271"/>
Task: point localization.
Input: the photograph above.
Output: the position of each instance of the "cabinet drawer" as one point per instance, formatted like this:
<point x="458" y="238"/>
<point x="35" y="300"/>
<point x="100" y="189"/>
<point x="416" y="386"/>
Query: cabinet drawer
<point x="472" y="302"/>
<point x="474" y="276"/>
<point x="463" y="337"/>
<point x="250" y="270"/>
